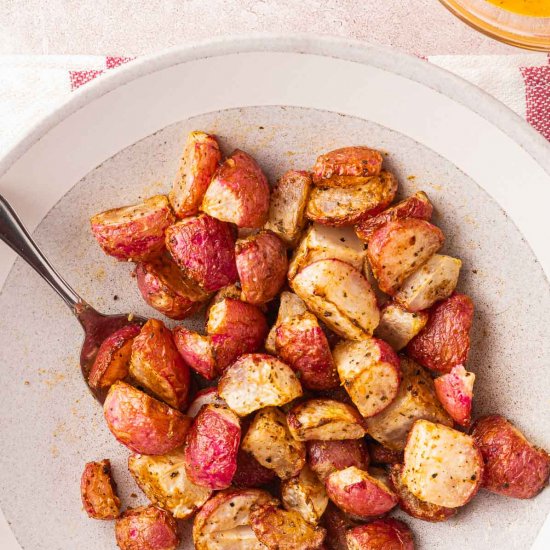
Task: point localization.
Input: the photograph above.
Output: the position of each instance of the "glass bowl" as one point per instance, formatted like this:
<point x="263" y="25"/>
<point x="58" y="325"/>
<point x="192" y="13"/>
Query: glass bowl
<point x="524" y="31"/>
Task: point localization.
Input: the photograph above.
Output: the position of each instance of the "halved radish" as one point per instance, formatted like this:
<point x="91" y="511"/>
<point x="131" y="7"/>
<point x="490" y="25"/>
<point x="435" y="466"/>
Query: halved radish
<point x="434" y="281"/>
<point x="415" y="206"/>
<point x="399" y="248"/>
<point x="370" y="372"/>
<point x="348" y="205"/>
<point x="339" y="295"/>
<point x="455" y="391"/>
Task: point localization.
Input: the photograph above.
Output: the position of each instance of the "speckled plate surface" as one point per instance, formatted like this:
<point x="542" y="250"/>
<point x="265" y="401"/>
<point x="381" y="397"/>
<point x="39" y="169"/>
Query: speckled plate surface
<point x="283" y="100"/>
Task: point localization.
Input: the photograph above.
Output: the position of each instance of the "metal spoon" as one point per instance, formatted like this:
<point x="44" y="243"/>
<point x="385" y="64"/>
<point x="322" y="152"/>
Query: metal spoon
<point x="97" y="326"/>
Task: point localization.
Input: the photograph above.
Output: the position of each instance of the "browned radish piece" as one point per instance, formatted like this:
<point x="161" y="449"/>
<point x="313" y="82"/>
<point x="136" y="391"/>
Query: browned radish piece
<point x="199" y="161"/>
<point x="415" y="399"/>
<point x="349" y="205"/>
<point x="358" y="493"/>
<point x="306" y="495"/>
<point x="455" y="392"/>
<point x="301" y="343"/>
<point x="445" y="340"/>
<point x="212" y="446"/>
<point x="204" y="249"/>
<point x="239" y="192"/>
<point x="270" y="442"/>
<point x="157" y="366"/>
<point x="322" y="241"/>
<point x="514" y="467"/>
<point x="413" y="506"/>
<point x="382" y="534"/>
<point x="208" y="396"/>
<point x="324" y="419"/>
<point x="287" y="206"/>
<point x="135" y="232"/>
<point x="399" y="248"/>
<point x="113" y="358"/>
<point x="197" y="351"/>
<point x="398" y="326"/>
<point x="285" y="529"/>
<point x="382" y="455"/>
<point x="141" y="423"/>
<point x="339" y="295"/>
<point x="434" y="281"/>
<point x="98" y="491"/>
<point x="235" y="328"/>
<point x="326" y="457"/>
<point x="255" y="381"/>
<point x="164" y="481"/>
<point x="337" y="524"/>
<point x="147" y="527"/>
<point x="223" y="522"/>
<point x="358" y="161"/>
<point x="165" y="288"/>
<point x="290" y="306"/>
<point x="415" y="206"/>
<point x="262" y="265"/>
<point x="369" y="370"/>
<point x="250" y="473"/>
<point x="442" y="466"/>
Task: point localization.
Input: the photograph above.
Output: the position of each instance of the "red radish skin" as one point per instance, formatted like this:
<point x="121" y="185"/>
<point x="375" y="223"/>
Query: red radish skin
<point x="134" y="232"/>
<point x="113" y="358"/>
<point x="358" y="493"/>
<point x="204" y="249"/>
<point x="262" y="265"/>
<point x="455" y="392"/>
<point x="326" y="457"/>
<point x="513" y="466"/>
<point x="147" y="528"/>
<point x="347" y="161"/>
<point x="238" y="192"/>
<point x="164" y="287"/>
<point x="98" y="491"/>
<point x="212" y="446"/>
<point x="382" y="534"/>
<point x="157" y="365"/>
<point x="445" y="340"/>
<point x="143" y="424"/>
<point x="416" y="206"/>
<point x="301" y="343"/>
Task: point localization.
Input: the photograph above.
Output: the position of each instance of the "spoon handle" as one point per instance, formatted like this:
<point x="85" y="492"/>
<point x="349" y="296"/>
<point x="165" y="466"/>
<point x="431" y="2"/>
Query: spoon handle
<point x="14" y="234"/>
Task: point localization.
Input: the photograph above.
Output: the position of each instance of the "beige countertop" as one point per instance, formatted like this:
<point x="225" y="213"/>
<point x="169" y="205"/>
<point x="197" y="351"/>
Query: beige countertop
<point x="134" y="27"/>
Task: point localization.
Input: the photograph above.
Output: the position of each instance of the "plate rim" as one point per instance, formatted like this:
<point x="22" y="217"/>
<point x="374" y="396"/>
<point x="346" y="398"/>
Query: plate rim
<point x="383" y="57"/>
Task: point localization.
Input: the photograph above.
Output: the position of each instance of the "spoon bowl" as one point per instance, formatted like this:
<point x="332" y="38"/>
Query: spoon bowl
<point x="97" y="326"/>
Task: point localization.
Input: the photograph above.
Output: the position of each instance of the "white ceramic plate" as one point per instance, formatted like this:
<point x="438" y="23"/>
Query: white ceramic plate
<point x="284" y="100"/>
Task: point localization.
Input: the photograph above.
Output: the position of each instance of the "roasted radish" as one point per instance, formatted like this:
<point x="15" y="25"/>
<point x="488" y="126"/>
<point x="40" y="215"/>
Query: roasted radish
<point x="135" y="232"/>
<point x="199" y="161"/>
<point x="238" y="192"/>
<point x="399" y="248"/>
<point x="340" y="296"/>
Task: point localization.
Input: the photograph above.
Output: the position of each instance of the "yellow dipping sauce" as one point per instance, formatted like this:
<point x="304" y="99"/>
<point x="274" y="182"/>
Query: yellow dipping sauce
<point x="535" y="8"/>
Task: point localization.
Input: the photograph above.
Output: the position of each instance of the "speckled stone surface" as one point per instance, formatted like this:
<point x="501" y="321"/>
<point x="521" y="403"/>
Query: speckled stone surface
<point x="135" y="27"/>
<point x="47" y="401"/>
